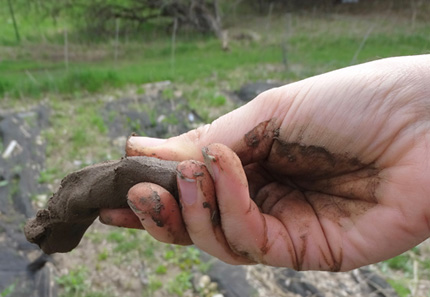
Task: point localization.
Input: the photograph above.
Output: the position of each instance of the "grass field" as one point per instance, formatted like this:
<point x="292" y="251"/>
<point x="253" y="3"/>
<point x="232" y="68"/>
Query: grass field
<point x="37" y="67"/>
<point x="284" y="48"/>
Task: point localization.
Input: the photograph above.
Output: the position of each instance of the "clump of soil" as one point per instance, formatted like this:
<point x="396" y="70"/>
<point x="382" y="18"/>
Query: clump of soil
<point x="75" y="206"/>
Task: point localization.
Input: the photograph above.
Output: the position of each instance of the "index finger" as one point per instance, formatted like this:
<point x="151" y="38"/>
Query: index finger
<point x="249" y="131"/>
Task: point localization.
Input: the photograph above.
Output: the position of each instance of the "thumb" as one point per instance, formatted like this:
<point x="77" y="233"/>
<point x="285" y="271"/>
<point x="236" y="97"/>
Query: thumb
<point x="249" y="131"/>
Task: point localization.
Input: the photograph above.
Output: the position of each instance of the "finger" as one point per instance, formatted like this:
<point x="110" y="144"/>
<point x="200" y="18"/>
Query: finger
<point x="134" y="147"/>
<point x="158" y="213"/>
<point x="255" y="127"/>
<point x="122" y="217"/>
<point x="200" y="212"/>
<point x="249" y="233"/>
<point x="125" y="217"/>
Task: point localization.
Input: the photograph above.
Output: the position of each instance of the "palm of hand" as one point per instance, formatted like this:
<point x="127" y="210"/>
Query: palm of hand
<point x="344" y="179"/>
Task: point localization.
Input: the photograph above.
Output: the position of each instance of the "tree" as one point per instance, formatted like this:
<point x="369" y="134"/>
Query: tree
<point x="99" y="16"/>
<point x="15" y="26"/>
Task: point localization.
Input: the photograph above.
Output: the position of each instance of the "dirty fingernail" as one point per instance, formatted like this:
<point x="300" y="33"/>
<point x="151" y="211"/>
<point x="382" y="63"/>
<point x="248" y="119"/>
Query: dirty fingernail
<point x="144" y="217"/>
<point x="210" y="162"/>
<point x="137" y="145"/>
<point x="133" y="207"/>
<point x="187" y="186"/>
<point x="107" y="220"/>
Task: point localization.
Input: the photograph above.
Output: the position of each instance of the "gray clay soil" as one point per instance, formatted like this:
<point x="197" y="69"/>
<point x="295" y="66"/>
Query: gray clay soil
<point x="76" y="204"/>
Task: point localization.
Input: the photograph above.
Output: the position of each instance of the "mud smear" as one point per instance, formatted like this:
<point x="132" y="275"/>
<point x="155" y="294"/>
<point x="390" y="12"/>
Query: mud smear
<point x="256" y="144"/>
<point x="310" y="161"/>
<point x="303" y="182"/>
<point x="213" y="210"/>
<point x="60" y="227"/>
<point x="157" y="207"/>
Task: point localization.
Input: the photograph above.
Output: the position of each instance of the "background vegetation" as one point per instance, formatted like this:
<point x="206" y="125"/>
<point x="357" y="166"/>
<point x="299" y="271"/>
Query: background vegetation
<point x="76" y="55"/>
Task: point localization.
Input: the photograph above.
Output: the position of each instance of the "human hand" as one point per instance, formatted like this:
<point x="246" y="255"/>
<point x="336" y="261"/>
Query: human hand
<point x="328" y="173"/>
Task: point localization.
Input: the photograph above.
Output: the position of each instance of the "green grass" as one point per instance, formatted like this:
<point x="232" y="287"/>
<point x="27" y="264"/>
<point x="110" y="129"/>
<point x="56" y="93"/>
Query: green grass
<point x="32" y="26"/>
<point x="103" y="255"/>
<point x="22" y="83"/>
<point x="193" y="59"/>
<point x="403" y="262"/>
<point x="400" y="287"/>
<point x="400" y="271"/>
<point x="77" y="136"/>
<point x="153" y="286"/>
<point x="340" y="50"/>
<point x="201" y="57"/>
<point x="317" y="44"/>
<point x="161" y="269"/>
<point x="76" y="284"/>
<point x="170" y="268"/>
<point x="125" y="240"/>
<point x="8" y="291"/>
<point x="180" y="284"/>
<point x="47" y="176"/>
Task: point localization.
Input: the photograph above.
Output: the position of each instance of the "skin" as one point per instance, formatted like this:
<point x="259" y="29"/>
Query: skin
<point x="328" y="173"/>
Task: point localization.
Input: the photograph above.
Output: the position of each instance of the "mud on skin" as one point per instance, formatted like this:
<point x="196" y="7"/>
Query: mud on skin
<point x="331" y="185"/>
<point x="209" y="204"/>
<point x="207" y="188"/>
<point x="155" y="207"/>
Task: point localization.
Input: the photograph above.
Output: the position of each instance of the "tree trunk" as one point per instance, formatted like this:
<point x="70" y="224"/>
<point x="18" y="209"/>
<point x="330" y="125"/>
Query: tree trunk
<point x="18" y="38"/>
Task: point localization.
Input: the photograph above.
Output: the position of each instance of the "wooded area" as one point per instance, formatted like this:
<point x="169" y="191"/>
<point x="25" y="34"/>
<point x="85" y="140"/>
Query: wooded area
<point x="96" y="17"/>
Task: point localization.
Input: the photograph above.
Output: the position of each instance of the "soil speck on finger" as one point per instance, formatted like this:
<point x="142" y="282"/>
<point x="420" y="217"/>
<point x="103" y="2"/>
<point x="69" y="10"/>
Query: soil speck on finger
<point x="215" y="219"/>
<point x="156" y="200"/>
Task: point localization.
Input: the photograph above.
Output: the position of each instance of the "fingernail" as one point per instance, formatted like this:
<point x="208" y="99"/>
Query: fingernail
<point x="142" y="141"/>
<point x="107" y="220"/>
<point x="134" y="208"/>
<point x="187" y="186"/>
<point x="137" y="145"/>
<point x="211" y="163"/>
<point x="130" y="147"/>
<point x="131" y="141"/>
<point x="145" y="218"/>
